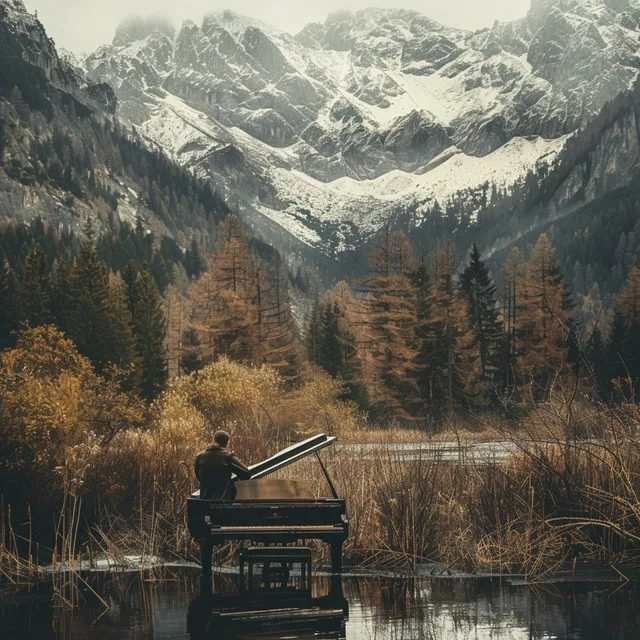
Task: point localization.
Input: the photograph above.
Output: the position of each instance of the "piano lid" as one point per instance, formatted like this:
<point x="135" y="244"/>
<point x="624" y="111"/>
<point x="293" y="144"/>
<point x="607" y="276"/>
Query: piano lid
<point x="290" y="455"/>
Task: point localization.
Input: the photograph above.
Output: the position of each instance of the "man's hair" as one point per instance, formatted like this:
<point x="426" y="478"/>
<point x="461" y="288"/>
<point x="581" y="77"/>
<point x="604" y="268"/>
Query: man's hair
<point x="222" y="438"/>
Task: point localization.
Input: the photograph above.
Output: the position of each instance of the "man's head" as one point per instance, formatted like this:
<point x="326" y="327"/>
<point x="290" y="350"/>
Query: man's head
<point x="221" y="438"/>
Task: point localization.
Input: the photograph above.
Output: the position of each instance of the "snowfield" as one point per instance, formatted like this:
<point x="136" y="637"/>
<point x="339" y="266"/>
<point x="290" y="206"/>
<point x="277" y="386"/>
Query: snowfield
<point x="367" y="204"/>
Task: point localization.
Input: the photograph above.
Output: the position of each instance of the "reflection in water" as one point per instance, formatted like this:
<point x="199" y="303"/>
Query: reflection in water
<point x="271" y="614"/>
<point x="378" y="609"/>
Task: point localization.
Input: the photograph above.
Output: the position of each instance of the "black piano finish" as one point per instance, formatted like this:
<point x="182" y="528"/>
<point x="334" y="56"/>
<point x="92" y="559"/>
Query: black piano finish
<point x="273" y="521"/>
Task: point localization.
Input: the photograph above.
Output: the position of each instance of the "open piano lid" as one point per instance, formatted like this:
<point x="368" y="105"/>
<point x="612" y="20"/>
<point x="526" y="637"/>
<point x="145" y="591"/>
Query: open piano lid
<point x="290" y="455"/>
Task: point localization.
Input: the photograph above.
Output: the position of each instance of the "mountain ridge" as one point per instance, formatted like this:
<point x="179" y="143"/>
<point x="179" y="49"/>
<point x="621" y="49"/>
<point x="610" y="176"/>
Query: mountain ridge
<point x="272" y="118"/>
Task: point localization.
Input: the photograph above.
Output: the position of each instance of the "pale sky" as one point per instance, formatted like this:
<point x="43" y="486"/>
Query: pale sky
<point x="83" y="25"/>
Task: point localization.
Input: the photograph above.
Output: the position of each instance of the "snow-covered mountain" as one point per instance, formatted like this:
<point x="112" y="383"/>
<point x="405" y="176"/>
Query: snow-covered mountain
<point x="326" y="134"/>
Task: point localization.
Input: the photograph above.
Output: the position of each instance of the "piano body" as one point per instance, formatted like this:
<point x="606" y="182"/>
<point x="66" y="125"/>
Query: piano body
<point x="272" y="511"/>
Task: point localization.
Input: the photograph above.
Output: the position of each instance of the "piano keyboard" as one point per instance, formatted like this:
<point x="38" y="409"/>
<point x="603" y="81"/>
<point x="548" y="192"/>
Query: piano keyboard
<point x="269" y="528"/>
<point x="294" y="527"/>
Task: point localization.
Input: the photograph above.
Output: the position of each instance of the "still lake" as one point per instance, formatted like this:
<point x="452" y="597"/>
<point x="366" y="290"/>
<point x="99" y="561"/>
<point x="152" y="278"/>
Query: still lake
<point x="375" y="607"/>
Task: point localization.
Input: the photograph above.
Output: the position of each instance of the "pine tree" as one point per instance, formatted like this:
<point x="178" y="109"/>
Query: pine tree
<point x="225" y="304"/>
<point x="90" y="325"/>
<point x="330" y="353"/>
<point x="149" y="328"/>
<point x="8" y="311"/>
<point x="628" y="308"/>
<point x="456" y="365"/>
<point x="540" y="323"/>
<point x="349" y="368"/>
<point x="427" y="350"/>
<point x="176" y="323"/>
<point x="314" y="337"/>
<point x="63" y="299"/>
<point x="35" y="289"/>
<point x="276" y="327"/>
<point x="595" y="353"/>
<point x="194" y="262"/>
<point x="548" y="308"/>
<point x="617" y="349"/>
<point x="479" y="291"/>
<point x="386" y="318"/>
<point x="514" y="311"/>
<point x="123" y="351"/>
<point x="160" y="272"/>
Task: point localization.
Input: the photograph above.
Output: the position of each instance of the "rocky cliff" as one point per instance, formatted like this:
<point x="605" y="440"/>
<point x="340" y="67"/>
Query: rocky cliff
<point x="326" y="134"/>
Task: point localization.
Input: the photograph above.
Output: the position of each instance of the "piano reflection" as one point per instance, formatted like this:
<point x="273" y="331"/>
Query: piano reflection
<point x="272" y="511"/>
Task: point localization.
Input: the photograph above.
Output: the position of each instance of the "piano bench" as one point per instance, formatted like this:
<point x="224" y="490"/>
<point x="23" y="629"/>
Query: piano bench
<point x="283" y="558"/>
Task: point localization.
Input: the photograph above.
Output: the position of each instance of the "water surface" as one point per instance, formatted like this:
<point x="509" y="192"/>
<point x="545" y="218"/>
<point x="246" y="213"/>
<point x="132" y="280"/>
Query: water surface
<point x="379" y="608"/>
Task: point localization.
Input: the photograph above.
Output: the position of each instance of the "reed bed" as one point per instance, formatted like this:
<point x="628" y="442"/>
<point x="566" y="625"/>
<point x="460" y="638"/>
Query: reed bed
<point x="568" y="495"/>
<point x="555" y="501"/>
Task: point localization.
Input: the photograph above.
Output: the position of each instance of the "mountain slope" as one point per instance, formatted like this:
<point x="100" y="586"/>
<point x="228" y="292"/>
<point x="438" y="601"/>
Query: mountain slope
<point x="63" y="158"/>
<point x="318" y="136"/>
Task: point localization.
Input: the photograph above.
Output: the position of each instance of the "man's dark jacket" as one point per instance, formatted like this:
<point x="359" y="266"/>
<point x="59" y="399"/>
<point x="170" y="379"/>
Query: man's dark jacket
<point x="214" y="467"/>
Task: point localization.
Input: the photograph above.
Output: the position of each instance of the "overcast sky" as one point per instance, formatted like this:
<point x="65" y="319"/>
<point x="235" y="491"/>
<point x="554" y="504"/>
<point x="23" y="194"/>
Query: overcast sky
<point x="82" y="25"/>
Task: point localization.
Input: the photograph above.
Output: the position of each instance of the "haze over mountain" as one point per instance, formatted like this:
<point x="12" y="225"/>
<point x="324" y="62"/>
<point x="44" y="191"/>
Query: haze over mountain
<point x="83" y="26"/>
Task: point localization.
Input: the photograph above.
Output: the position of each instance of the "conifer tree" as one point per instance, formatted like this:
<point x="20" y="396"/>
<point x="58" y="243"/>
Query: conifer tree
<point x="349" y="368"/>
<point x="330" y="353"/>
<point x="596" y="355"/>
<point x="616" y="366"/>
<point x="160" y="272"/>
<point x="63" y="299"/>
<point x="514" y="311"/>
<point x="124" y="351"/>
<point x="194" y="263"/>
<point x="276" y="326"/>
<point x="314" y="337"/>
<point x="129" y="276"/>
<point x="35" y="289"/>
<point x="176" y="324"/>
<point x="545" y="321"/>
<point x="426" y="347"/>
<point x="8" y="312"/>
<point x="149" y="326"/>
<point x="225" y="304"/>
<point x="628" y="311"/>
<point x="455" y="365"/>
<point x="386" y="317"/>
<point x="90" y="325"/>
<point x="479" y="291"/>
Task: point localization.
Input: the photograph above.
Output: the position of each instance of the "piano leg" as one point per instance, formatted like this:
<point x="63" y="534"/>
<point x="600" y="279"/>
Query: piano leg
<point x="336" y="556"/>
<point x="206" y="558"/>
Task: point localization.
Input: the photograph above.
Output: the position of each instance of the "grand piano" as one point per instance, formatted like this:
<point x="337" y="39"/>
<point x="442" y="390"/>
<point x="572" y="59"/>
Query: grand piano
<point x="272" y="511"/>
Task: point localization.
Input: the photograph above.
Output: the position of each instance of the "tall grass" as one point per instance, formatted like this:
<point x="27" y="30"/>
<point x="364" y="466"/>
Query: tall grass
<point x="554" y="502"/>
<point x="569" y="495"/>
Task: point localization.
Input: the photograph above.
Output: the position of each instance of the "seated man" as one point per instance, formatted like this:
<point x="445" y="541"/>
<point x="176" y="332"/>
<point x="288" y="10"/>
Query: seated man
<point x="214" y="467"/>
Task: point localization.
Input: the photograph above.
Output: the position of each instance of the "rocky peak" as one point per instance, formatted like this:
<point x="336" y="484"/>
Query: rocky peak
<point x="264" y="51"/>
<point x="136" y="28"/>
<point x="18" y="5"/>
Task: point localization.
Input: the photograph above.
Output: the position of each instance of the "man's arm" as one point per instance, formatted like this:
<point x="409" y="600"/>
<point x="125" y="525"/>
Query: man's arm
<point x="196" y="468"/>
<point x="239" y="469"/>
